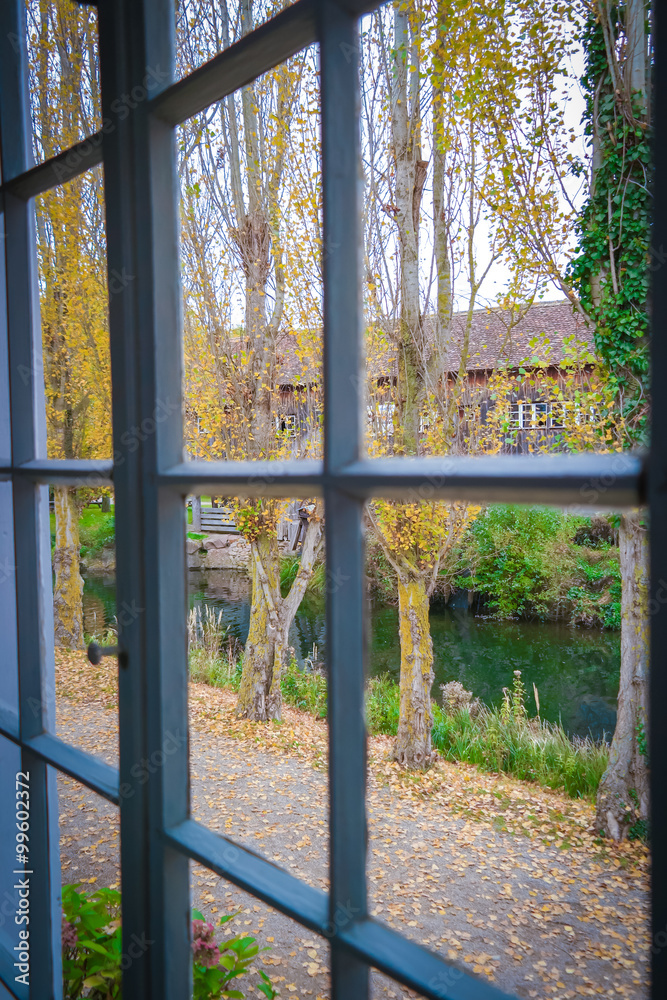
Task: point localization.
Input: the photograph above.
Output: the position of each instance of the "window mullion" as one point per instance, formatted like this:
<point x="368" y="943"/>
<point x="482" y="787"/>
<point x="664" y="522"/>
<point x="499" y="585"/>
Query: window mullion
<point x="142" y="228"/>
<point x="343" y="398"/>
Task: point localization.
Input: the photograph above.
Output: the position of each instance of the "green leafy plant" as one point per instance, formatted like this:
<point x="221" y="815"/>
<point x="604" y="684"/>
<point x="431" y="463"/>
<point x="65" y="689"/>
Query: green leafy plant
<point x="528" y="562"/>
<point x="217" y="964"/>
<point x="91" y="944"/>
<point x="93" y="961"/>
<point x="307" y="691"/>
<point x="610" y="271"/>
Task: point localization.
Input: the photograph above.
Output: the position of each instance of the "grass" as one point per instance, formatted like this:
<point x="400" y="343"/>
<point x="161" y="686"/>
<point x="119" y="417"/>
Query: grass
<point x="503" y="740"/>
<point x="530" y="749"/>
<point x="97" y="531"/>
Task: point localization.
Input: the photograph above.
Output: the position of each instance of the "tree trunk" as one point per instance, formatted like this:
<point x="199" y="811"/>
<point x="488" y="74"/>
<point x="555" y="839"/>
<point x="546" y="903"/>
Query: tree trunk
<point x="413" y="741"/>
<point x="623" y="795"/>
<point x="259" y="695"/>
<point x="68" y="586"/>
<point x="271" y="616"/>
<point x="106" y="503"/>
<point x="410" y="177"/>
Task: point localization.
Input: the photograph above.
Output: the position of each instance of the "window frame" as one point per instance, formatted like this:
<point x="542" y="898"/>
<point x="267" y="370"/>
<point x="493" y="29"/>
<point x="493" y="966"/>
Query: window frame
<point x="158" y="835"/>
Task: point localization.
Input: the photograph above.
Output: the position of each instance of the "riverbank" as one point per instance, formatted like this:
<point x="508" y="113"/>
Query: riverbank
<point x="575" y="670"/>
<point x="514" y="562"/>
<point x="505" y="879"/>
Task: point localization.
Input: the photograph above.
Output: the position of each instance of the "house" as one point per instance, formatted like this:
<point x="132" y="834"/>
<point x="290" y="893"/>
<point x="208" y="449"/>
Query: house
<point x="548" y="336"/>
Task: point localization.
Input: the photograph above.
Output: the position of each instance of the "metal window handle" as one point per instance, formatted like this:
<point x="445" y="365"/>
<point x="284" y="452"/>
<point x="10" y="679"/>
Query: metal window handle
<point x="95" y="652"/>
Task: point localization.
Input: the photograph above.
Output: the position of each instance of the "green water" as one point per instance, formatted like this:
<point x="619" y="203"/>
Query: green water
<point x="575" y="670"/>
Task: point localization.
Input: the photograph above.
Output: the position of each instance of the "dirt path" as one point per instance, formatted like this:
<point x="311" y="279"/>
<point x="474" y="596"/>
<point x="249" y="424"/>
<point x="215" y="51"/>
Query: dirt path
<point x="503" y="878"/>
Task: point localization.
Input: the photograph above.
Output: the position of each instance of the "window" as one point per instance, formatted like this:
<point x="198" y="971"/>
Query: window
<point x="151" y="480"/>
<point x="526" y="415"/>
<point x="286" y="425"/>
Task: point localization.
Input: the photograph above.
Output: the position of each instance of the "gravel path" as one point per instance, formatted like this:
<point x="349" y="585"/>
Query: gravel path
<point x="501" y="877"/>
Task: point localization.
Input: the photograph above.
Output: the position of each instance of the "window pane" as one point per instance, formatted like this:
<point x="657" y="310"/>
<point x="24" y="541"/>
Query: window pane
<point x="476" y="340"/>
<point x="73" y="288"/>
<point x="64" y="74"/>
<point x="204" y="28"/>
<point x="89" y="838"/>
<point x="257" y="662"/>
<point x="251" y="267"/>
<point x="85" y="611"/>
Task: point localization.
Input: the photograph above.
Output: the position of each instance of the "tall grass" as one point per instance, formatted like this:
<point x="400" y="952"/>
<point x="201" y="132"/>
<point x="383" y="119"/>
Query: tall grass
<point x="505" y="740"/>
<point x="530" y="749"/>
<point x="213" y="654"/>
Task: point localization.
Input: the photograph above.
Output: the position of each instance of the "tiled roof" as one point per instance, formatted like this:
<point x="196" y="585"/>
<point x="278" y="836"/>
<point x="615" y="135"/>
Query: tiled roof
<point x="548" y="331"/>
<point x="493" y="338"/>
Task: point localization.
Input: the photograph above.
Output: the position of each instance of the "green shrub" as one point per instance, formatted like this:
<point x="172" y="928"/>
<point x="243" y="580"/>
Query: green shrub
<point x="526" y="562"/>
<point x="93" y="961"/>
<point x="97" y="531"/>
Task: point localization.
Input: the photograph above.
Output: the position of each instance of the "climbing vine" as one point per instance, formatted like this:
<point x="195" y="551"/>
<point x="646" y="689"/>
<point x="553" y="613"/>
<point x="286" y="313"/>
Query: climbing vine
<point x="611" y="269"/>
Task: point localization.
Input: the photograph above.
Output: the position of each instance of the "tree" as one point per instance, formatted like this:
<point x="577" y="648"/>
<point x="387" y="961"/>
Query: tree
<point x="431" y="100"/>
<point x="603" y="271"/>
<point x="611" y="276"/>
<point x="71" y="252"/>
<point x="250" y="172"/>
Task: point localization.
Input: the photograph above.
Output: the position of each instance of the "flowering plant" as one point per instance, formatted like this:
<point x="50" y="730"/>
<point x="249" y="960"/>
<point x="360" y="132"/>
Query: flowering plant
<point x="93" y="960"/>
<point x="217" y="965"/>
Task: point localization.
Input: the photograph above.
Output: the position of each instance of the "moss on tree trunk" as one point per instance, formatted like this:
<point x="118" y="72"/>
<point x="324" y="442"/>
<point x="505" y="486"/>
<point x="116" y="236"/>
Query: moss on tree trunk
<point x="68" y="585"/>
<point x="259" y="694"/>
<point x="413" y="741"/>
<point x="623" y="794"/>
<point x="267" y="647"/>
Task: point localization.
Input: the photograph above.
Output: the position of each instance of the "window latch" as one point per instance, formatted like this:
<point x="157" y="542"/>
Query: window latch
<point x="95" y="652"/>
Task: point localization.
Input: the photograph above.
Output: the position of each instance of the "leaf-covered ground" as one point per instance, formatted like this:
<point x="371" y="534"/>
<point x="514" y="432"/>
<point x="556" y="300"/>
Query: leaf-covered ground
<point x="504" y="878"/>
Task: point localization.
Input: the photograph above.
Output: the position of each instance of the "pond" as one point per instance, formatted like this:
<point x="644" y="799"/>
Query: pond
<point x="575" y="670"/>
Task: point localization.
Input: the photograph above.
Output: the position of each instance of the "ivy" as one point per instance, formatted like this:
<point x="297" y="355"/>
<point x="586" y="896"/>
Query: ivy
<point x="611" y="269"/>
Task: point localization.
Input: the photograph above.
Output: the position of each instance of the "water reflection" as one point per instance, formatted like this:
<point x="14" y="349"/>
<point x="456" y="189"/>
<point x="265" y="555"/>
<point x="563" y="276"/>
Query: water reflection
<point x="575" y="670"/>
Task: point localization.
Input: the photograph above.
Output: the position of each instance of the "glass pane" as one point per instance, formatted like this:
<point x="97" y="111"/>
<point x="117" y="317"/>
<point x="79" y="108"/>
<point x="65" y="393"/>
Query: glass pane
<point x="91" y="889"/>
<point x="294" y="960"/>
<point x="85" y="610"/>
<point x="479" y="337"/>
<point x="257" y="697"/>
<point x="204" y="27"/>
<point x="71" y="251"/>
<point x="251" y="266"/>
<point x="63" y="61"/>
<point x="89" y="838"/>
<point x="490" y="751"/>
